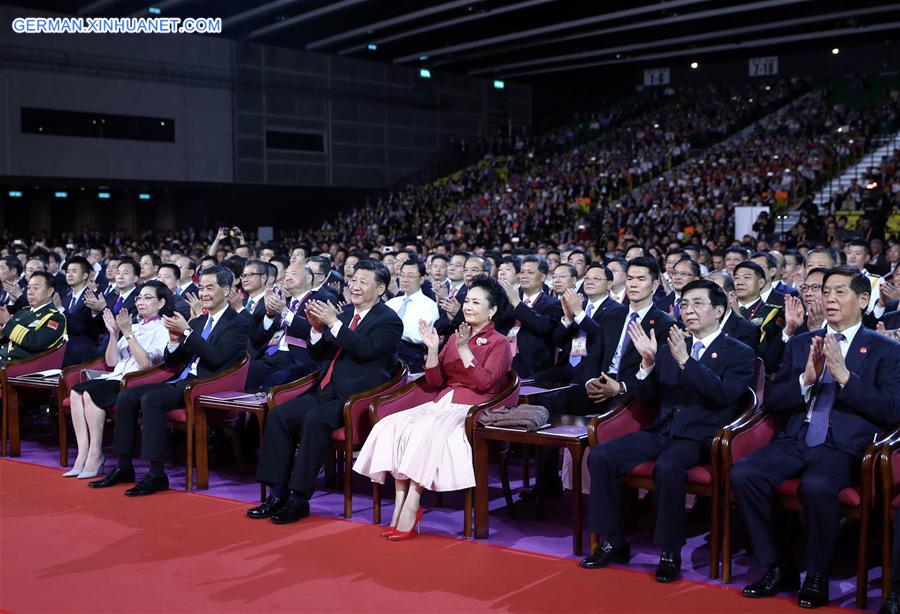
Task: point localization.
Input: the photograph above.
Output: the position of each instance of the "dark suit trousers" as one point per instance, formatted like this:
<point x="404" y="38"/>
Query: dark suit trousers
<point x="260" y="369"/>
<point x="314" y="415"/>
<point x="673" y="458"/>
<point x="823" y="472"/>
<point x="153" y="402"/>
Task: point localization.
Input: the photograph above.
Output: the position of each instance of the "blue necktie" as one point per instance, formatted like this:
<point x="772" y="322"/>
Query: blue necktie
<point x="72" y="302"/>
<point x="626" y="342"/>
<point x="695" y="351"/>
<point x="406" y="302"/>
<point x="573" y="359"/>
<point x="820" y="417"/>
<point x="677" y="309"/>
<point x="205" y="335"/>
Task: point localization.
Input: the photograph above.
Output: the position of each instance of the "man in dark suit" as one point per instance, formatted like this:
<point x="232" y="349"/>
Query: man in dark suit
<point x="697" y="382"/>
<point x="359" y="346"/>
<point x="450" y="308"/>
<point x="205" y="346"/>
<point x="283" y="331"/>
<point x="683" y="272"/>
<point x="839" y="386"/>
<point x="534" y="316"/>
<point x="12" y="285"/>
<point x="733" y="324"/>
<point x="186" y="283"/>
<point x="169" y="274"/>
<point x="82" y="344"/>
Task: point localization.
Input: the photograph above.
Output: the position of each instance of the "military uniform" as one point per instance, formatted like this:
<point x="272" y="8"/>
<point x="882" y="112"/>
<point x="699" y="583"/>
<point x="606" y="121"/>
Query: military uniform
<point x="30" y="332"/>
<point x="770" y="319"/>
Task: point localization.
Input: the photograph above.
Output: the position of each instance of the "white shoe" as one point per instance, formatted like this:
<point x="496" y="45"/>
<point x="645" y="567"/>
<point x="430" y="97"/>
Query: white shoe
<point x="71" y="473"/>
<point x="84" y="475"/>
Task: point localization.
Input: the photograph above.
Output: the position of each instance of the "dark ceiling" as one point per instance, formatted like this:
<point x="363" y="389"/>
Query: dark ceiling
<point x="526" y="39"/>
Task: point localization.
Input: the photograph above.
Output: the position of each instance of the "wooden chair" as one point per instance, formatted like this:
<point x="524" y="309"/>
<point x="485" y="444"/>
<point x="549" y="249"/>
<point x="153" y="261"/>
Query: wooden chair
<point x="748" y="434"/>
<point x="260" y="408"/>
<point x="349" y="438"/>
<point x="192" y="422"/>
<point x="889" y="476"/>
<point x="71" y="376"/>
<point x="417" y="393"/>
<point x="9" y="420"/>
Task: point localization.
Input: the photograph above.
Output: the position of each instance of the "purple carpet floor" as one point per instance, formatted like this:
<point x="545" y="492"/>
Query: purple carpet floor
<point x="551" y="535"/>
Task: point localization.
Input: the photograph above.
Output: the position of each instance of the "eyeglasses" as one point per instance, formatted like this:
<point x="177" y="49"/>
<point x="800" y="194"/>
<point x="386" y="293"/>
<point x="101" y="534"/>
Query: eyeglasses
<point x="409" y="276"/>
<point x="683" y="274"/>
<point x="246" y="275"/>
<point x="811" y="288"/>
<point x="695" y="305"/>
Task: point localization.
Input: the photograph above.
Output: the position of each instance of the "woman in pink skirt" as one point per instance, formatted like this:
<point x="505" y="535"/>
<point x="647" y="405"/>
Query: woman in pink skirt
<point x="425" y="447"/>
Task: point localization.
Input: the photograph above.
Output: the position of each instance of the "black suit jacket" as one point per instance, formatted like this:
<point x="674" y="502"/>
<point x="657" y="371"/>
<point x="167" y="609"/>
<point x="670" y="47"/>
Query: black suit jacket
<point x="743" y="330"/>
<point x="446" y="326"/>
<point x="704" y="396"/>
<point x="665" y="302"/>
<point x="223" y="349"/>
<point x="592" y="326"/>
<point x="783" y="288"/>
<point x="190" y="289"/>
<point x="603" y="347"/>
<point x="868" y="404"/>
<point x="536" y="350"/>
<point x="82" y="344"/>
<point x="368" y="354"/>
<point x="299" y="327"/>
<point x="891" y="320"/>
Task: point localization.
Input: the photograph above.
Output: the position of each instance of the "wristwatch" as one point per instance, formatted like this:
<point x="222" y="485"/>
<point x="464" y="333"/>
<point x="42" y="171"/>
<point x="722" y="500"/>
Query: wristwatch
<point x="129" y="337"/>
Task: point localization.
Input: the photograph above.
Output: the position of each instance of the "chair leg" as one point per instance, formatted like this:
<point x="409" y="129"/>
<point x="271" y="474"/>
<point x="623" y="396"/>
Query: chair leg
<point x="12" y="421"/>
<point x="376" y="503"/>
<point x="526" y="466"/>
<point x="726" y="532"/>
<point x="715" y="536"/>
<point x="504" y="480"/>
<point x="261" y="418"/>
<point x="63" y="427"/>
<point x="346" y="465"/>
<point x="595" y="542"/>
<point x="886" y="542"/>
<point x="862" y="567"/>
<point x="467" y="515"/>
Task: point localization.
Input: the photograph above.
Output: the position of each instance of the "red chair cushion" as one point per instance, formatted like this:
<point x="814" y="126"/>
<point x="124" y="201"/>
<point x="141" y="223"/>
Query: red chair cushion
<point x="701" y="474"/>
<point x="66" y="402"/>
<point x="895" y="502"/>
<point x="177" y="415"/>
<point x="339" y="434"/>
<point x="852" y="495"/>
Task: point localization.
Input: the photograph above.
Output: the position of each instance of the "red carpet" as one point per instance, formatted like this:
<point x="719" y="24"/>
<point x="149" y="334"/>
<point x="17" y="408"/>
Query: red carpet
<point x="67" y="548"/>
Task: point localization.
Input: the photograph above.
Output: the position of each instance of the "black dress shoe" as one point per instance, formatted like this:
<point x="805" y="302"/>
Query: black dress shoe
<point x="606" y="554"/>
<point x="268" y="507"/>
<point x="891" y="605"/>
<point x="149" y="485"/>
<point x="814" y="592"/>
<point x="669" y="568"/>
<point x="775" y="580"/>
<point x="292" y="511"/>
<point x="116" y="476"/>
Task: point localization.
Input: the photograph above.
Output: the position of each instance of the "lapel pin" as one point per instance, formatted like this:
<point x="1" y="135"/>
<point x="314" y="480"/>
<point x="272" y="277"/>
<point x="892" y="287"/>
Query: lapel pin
<point x="714" y="355"/>
<point x="863" y="350"/>
<point x="652" y="322"/>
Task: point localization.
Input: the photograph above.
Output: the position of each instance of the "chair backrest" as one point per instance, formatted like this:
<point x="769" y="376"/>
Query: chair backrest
<point x="51" y="359"/>
<point x="153" y="375"/>
<point x="232" y="378"/>
<point x="412" y="394"/>
<point x="291" y="390"/>
<point x="759" y="381"/>
<point x="356" y="409"/>
<point x="74" y="374"/>
<point x="508" y="397"/>
<point x="626" y="417"/>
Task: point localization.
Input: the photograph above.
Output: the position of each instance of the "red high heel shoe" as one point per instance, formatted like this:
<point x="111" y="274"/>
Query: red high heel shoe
<point x="402" y="535"/>
<point x="390" y="531"/>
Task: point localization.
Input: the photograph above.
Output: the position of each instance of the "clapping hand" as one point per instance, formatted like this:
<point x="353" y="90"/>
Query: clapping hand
<point x="4" y="315"/>
<point x="196" y="305"/>
<point x="335" y="287"/>
<point x="440" y="291"/>
<point x="429" y="336"/>
<point x="326" y="313"/>
<point x="235" y="300"/>
<point x="175" y="324"/>
<point x="571" y="303"/>
<point x="275" y="303"/>
<point x="123" y="320"/>
<point x="645" y="346"/>
<point x="450" y="306"/>
<point x="676" y="345"/>
<point x="888" y="292"/>
<point x="815" y="362"/>
<point x="13" y="289"/>
<point x="110" y="321"/>
<point x="313" y="320"/>
<point x="793" y="314"/>
<point x="835" y="360"/>
<point x="815" y="315"/>
<point x="463" y="335"/>
<point x="512" y="294"/>
<point x="94" y="302"/>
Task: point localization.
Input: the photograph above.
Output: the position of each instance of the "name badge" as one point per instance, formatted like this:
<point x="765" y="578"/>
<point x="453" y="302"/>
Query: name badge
<point x="513" y="332"/>
<point x="579" y="346"/>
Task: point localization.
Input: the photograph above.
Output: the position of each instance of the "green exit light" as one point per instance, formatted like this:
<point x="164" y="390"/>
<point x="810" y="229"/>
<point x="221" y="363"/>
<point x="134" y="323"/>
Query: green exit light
<point x="15" y="194"/>
<point x="425" y="73"/>
<point x="499" y="85"/>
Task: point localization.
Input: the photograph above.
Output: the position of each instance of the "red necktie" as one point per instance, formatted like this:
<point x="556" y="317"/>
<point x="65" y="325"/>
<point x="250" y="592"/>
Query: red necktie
<point x="326" y="379"/>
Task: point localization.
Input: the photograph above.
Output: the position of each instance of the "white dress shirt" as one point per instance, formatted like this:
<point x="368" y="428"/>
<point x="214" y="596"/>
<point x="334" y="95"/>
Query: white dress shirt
<point x="420" y="307"/>
<point x="152" y="336"/>
<point x="617" y="357"/>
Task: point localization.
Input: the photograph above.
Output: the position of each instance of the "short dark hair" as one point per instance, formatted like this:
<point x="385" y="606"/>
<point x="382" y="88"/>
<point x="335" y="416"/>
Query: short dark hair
<point x="495" y="292"/>
<point x="638" y="246"/>
<point x="224" y="277"/>
<point x="823" y="250"/>
<point x="485" y="263"/>
<point x="414" y="261"/>
<point x="727" y="281"/>
<point x="747" y="264"/>
<point x="675" y="252"/>
<point x="859" y="283"/>
<point x="541" y="263"/>
<point x="82" y="262"/>
<point x="572" y="270"/>
<point x="860" y="243"/>
<point x="771" y="261"/>
<point x="206" y="258"/>
<point x="743" y="252"/>
<point x="14" y="263"/>
<point x="463" y="254"/>
<point x="48" y="278"/>
<point x="575" y="252"/>
<point x="695" y="266"/>
<point x="154" y="258"/>
<point x="261" y="266"/>
<point x="513" y="260"/>
<point x="381" y="272"/>
<point x="620" y="260"/>
<point x="176" y="270"/>
<point x="162" y="293"/>
<point x="820" y="269"/>
<point x="325" y="263"/>
<point x="135" y="267"/>
<point x="602" y="267"/>
<point x="796" y="254"/>
<point x="436" y="256"/>
<point x="646" y="262"/>
<point x="717" y="295"/>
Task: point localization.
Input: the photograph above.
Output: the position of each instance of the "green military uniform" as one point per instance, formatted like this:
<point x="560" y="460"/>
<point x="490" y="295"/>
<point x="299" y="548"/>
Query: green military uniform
<point x="30" y="332"/>
<point x="769" y="318"/>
